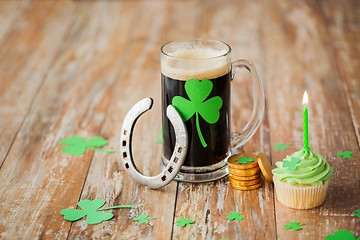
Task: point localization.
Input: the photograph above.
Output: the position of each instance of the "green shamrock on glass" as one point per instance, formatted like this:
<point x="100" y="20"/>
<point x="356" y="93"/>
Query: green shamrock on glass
<point x="198" y="91"/>
<point x="196" y="81"/>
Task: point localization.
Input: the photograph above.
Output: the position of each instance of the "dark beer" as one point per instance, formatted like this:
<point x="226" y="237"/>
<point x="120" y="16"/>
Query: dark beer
<point x="196" y="76"/>
<point x="217" y="135"/>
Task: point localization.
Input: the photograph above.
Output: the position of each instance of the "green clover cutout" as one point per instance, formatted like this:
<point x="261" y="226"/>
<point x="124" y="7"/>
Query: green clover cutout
<point x="77" y="145"/>
<point x="159" y="139"/>
<point x="234" y="216"/>
<point x="358" y="213"/>
<point x="144" y="218"/>
<point x="346" y="154"/>
<point x="341" y="235"/>
<point x="90" y="209"/>
<point x="182" y="222"/>
<point x="291" y="165"/>
<point x="197" y="92"/>
<point x="244" y="160"/>
<point x="294" y="226"/>
<point x="281" y="146"/>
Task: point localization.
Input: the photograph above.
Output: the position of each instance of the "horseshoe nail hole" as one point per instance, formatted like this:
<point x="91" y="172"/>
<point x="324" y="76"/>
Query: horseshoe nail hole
<point x="125" y="132"/>
<point x="163" y="178"/>
<point x="126" y="165"/>
<point x="176" y="160"/>
<point x="170" y="169"/>
<point x="124" y="143"/>
<point x="124" y="154"/>
<point x="180" y="150"/>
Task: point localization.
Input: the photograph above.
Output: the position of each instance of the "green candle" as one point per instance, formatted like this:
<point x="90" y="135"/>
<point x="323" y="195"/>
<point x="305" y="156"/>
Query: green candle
<point x="306" y="134"/>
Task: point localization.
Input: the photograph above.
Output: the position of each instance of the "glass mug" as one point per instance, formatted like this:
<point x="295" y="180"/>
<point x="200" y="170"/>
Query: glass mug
<point x="196" y="78"/>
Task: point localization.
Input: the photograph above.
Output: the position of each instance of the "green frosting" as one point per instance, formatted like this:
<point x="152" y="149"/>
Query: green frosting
<point x="312" y="169"/>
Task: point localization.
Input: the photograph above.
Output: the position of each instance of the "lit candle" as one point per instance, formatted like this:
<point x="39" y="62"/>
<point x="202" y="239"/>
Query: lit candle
<point x="306" y="135"/>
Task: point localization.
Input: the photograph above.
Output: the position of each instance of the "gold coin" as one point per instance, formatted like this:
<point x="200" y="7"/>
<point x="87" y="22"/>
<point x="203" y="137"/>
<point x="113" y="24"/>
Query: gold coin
<point x="245" y="183"/>
<point x="234" y="161"/>
<point x="246" y="178"/>
<point x="265" y="167"/>
<point x="253" y="187"/>
<point x="245" y="173"/>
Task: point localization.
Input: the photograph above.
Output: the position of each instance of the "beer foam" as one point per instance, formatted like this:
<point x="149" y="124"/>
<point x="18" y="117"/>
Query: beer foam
<point x="199" y="63"/>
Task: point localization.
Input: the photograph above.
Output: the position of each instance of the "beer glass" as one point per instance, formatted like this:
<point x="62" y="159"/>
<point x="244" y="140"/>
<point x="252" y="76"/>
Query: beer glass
<point x="196" y="79"/>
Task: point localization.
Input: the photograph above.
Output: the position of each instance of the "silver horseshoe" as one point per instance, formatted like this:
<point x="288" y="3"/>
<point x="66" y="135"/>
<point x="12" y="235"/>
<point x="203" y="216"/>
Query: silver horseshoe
<point x="177" y="157"/>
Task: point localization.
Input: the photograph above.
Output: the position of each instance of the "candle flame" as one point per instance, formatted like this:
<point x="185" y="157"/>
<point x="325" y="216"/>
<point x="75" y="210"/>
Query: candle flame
<point x="305" y="98"/>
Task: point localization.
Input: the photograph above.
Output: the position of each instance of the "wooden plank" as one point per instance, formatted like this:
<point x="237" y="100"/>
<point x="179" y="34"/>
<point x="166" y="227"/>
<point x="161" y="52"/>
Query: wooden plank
<point x="9" y="11"/>
<point x="208" y="203"/>
<point x="27" y="52"/>
<point x="298" y="58"/>
<point x="110" y="59"/>
<point x="138" y="77"/>
<point x="343" y="21"/>
<point x="37" y="179"/>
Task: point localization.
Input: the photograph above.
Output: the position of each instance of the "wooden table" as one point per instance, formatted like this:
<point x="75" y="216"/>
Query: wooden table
<point x="76" y="68"/>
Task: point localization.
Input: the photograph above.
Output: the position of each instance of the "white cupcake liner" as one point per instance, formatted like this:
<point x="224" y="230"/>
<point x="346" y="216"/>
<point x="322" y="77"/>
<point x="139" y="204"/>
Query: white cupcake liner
<point x="300" y="197"/>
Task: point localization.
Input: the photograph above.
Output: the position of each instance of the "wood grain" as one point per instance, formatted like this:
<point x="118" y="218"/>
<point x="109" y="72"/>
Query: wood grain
<point x="344" y="34"/>
<point x="32" y="43"/>
<point x="208" y="203"/>
<point x="76" y="68"/>
<point x="9" y="12"/>
<point x="44" y="180"/>
<point x="156" y="23"/>
<point x="298" y="38"/>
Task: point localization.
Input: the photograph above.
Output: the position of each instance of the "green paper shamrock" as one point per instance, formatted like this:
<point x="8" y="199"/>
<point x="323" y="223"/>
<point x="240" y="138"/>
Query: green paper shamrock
<point x="341" y="235"/>
<point x="159" y="139"/>
<point x="143" y="218"/>
<point x="281" y="146"/>
<point x="182" y="222"/>
<point x="244" y="160"/>
<point x="358" y="213"/>
<point x="294" y="226"/>
<point x="234" y="216"/>
<point x="197" y="92"/>
<point x="291" y="165"/>
<point x="346" y="154"/>
<point x="91" y="210"/>
<point x="77" y="145"/>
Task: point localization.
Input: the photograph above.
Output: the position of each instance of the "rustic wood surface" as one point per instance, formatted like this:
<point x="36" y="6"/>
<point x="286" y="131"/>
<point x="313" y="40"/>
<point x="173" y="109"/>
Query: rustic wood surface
<point x="76" y="67"/>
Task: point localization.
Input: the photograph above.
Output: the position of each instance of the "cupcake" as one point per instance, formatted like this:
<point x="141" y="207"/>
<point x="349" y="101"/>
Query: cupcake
<point x="302" y="179"/>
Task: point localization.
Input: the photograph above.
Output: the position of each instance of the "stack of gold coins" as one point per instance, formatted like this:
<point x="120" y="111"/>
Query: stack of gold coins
<point x="244" y="171"/>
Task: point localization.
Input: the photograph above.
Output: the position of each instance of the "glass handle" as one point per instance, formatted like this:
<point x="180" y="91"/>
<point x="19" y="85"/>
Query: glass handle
<point x="238" y="139"/>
